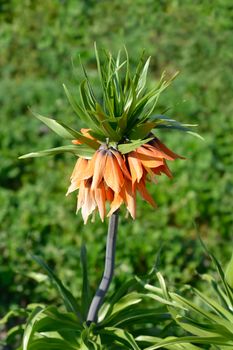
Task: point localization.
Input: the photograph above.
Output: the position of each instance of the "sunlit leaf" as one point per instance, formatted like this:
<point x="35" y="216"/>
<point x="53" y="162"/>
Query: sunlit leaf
<point x="80" y="151"/>
<point x="55" y="126"/>
<point x="128" y="147"/>
<point x="29" y="329"/>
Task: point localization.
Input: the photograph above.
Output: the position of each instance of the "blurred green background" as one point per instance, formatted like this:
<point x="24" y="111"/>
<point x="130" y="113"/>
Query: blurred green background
<point x="39" y="40"/>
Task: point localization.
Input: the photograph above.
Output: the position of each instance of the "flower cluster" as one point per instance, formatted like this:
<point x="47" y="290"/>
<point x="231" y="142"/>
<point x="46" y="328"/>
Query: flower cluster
<point x="112" y="177"/>
<point x="119" y="152"/>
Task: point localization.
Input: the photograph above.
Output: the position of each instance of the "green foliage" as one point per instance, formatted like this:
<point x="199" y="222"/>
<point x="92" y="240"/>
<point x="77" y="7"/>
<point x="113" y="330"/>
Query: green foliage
<point x="50" y="328"/>
<point x="208" y="320"/>
<point x="126" y="111"/>
<point x="129" y="320"/>
<point x="38" y="41"/>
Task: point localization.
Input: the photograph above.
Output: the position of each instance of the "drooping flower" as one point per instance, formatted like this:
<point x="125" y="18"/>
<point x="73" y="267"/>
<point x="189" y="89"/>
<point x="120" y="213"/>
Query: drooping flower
<point x="110" y="176"/>
<point x="119" y="152"/>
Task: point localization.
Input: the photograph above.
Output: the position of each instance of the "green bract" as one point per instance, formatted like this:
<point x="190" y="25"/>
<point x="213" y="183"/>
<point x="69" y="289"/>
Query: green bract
<point x="125" y="114"/>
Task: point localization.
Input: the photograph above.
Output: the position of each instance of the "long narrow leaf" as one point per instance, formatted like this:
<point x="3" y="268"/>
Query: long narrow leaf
<point x="29" y="329"/>
<point x="55" y="126"/>
<point x="80" y="151"/>
<point x="69" y="300"/>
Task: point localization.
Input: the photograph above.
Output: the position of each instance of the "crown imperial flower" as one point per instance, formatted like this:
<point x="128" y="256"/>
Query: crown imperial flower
<point x="119" y="152"/>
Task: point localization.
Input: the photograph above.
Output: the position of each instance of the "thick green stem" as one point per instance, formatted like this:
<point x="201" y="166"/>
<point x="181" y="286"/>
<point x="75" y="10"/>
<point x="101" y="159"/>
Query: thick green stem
<point x="108" y="270"/>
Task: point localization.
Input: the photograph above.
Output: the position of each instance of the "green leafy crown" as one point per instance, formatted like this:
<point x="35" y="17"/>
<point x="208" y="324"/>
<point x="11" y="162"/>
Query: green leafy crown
<point x="124" y="118"/>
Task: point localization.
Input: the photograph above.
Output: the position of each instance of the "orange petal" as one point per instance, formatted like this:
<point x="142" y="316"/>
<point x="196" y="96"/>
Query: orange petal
<point x="76" y="142"/>
<point x="80" y="166"/>
<point x="156" y="152"/>
<point x="109" y="194"/>
<point x="89" y="171"/>
<point x="85" y="133"/>
<point x="80" y="196"/>
<point x="116" y="203"/>
<point x="130" y="198"/>
<point x="164" y="169"/>
<point x="145" y="194"/>
<point x="159" y="145"/>
<point x="151" y="173"/>
<point x="122" y="164"/>
<point x="75" y="184"/>
<point x="100" y="199"/>
<point x="99" y="165"/>
<point x="89" y="204"/>
<point x="135" y="166"/>
<point x="112" y="174"/>
<point x="149" y="161"/>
